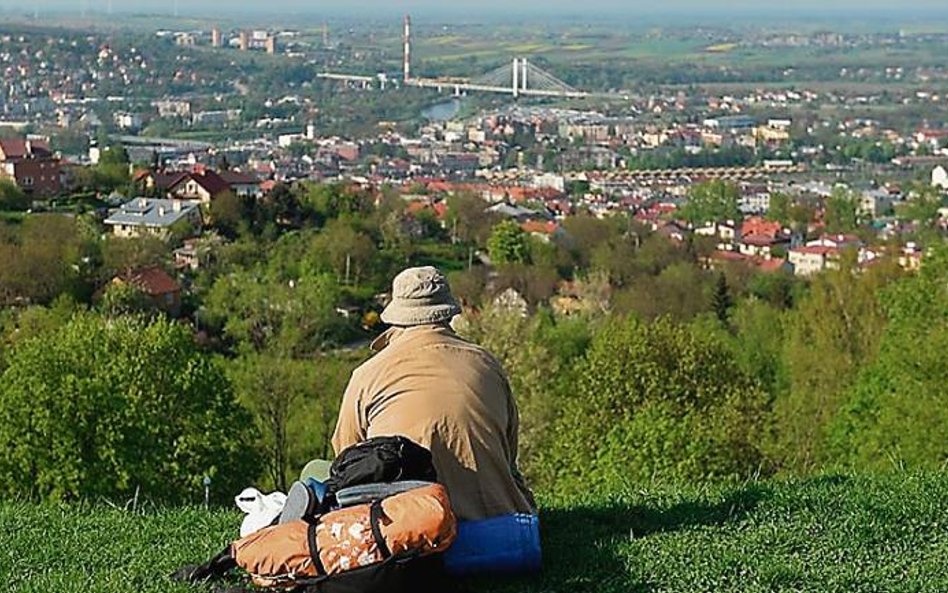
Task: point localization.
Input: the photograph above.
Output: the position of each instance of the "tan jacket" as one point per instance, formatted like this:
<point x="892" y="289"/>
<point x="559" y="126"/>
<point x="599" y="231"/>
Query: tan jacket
<point x="429" y="385"/>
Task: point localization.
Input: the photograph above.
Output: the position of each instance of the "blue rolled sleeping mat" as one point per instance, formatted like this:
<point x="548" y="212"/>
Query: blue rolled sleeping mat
<point x="506" y="544"/>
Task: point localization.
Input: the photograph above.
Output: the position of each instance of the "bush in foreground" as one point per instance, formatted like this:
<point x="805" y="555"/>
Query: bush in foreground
<point x="105" y="408"/>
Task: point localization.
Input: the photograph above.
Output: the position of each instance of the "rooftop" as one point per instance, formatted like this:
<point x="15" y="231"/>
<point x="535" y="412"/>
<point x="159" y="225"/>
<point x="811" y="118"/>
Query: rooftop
<point x="151" y="212"/>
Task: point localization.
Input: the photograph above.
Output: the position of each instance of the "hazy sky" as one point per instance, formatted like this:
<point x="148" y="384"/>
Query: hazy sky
<point x="421" y="7"/>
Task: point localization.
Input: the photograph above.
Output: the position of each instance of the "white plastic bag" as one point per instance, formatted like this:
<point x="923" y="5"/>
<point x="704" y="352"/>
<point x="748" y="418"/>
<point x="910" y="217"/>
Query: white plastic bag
<point x="261" y="509"/>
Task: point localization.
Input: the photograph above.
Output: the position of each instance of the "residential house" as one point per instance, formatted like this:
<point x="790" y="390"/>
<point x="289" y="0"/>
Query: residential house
<point x="150" y="216"/>
<point x="876" y="203"/>
<point x="837" y="241"/>
<point x="158" y="286"/>
<point x="31" y="165"/>
<point x="242" y="184"/>
<point x="158" y="182"/>
<point x="760" y="238"/>
<point x="813" y="259"/>
<point x="201" y="185"/>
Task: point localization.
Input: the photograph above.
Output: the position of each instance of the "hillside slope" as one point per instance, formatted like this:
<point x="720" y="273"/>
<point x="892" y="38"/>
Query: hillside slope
<point x="887" y="533"/>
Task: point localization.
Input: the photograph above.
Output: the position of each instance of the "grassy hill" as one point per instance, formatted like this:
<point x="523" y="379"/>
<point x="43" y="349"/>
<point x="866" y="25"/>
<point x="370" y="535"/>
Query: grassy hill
<point x="887" y="533"/>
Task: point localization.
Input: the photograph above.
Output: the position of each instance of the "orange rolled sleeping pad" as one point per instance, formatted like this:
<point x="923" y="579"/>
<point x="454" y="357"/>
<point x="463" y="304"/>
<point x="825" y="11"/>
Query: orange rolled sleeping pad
<point x="418" y="521"/>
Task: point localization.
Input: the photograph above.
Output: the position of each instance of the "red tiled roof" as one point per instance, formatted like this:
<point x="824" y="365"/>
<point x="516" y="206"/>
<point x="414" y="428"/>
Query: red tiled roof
<point x="13" y="148"/>
<point x="758" y="226"/>
<point x="153" y="281"/>
<point x="840" y="239"/>
<point x="762" y="264"/>
<point x="18" y="148"/>
<point x="759" y="240"/>
<point x="816" y="250"/>
<point x="771" y="265"/>
<point x="207" y="179"/>
<point x="537" y="226"/>
<point x="732" y="256"/>
<point x="40" y="148"/>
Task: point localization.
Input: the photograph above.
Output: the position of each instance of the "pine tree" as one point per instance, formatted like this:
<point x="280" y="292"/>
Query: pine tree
<point x="721" y="300"/>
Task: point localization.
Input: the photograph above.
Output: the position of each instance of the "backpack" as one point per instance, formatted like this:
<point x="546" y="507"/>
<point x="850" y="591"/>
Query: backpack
<point x="366" y="548"/>
<point x="370" y="464"/>
<point x="409" y="518"/>
<point x="381" y="460"/>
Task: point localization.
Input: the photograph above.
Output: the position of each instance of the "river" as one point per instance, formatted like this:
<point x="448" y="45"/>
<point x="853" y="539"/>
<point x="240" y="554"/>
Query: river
<point x="442" y="111"/>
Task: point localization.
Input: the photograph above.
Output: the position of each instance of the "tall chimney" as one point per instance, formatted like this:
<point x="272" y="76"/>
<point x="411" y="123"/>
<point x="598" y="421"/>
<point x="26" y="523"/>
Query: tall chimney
<point x="407" y="65"/>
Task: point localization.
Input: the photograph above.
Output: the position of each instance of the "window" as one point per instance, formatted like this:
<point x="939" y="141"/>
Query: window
<point x="28" y="182"/>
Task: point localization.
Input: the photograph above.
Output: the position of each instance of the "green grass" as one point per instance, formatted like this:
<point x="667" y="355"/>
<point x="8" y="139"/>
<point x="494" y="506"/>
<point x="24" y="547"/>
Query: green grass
<point x="871" y="534"/>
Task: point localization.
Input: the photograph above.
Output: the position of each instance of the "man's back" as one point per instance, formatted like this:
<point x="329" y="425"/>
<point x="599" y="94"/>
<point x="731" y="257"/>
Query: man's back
<point x="448" y="395"/>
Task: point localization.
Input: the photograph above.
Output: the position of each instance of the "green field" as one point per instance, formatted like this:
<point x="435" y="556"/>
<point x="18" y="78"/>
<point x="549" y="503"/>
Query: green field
<point x="828" y="534"/>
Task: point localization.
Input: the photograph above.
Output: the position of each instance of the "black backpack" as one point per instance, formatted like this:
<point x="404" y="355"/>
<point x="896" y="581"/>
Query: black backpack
<point x="380" y="460"/>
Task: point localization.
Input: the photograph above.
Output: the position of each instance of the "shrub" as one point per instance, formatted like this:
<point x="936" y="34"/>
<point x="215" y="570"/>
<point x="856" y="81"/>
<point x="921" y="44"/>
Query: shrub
<point x="100" y="408"/>
<point x="653" y="401"/>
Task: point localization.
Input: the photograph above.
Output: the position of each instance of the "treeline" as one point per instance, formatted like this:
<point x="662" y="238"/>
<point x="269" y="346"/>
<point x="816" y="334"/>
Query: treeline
<point x="852" y="376"/>
<point x="632" y="361"/>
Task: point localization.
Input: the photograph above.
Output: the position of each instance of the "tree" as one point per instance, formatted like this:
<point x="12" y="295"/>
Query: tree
<point x="294" y="404"/>
<point x="262" y="310"/>
<point x="535" y="283"/>
<point x="832" y="333"/>
<point x="653" y="401"/>
<point x="12" y="197"/>
<point x="533" y="369"/>
<point x="842" y="210"/>
<point x="271" y="388"/>
<point x="468" y="219"/>
<point x="282" y="206"/>
<point x="230" y="214"/>
<point x="120" y="254"/>
<point x="468" y="286"/>
<point x="103" y="408"/>
<point x="340" y="249"/>
<point x="712" y="201"/>
<point x="124" y="298"/>
<point x="508" y="244"/>
<point x="114" y="154"/>
<point x="780" y="210"/>
<point x="721" y="301"/>
<point x="40" y="262"/>
<point x="895" y="414"/>
<point x="681" y="291"/>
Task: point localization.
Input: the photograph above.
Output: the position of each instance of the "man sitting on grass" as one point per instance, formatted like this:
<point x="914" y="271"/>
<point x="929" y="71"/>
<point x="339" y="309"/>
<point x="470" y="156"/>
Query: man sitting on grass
<point x="453" y="397"/>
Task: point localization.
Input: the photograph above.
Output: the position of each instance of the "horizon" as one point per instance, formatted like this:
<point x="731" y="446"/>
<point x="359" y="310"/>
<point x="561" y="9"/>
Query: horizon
<point x="851" y="9"/>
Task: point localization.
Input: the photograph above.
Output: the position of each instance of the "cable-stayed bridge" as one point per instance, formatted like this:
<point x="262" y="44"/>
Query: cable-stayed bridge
<point x="520" y="78"/>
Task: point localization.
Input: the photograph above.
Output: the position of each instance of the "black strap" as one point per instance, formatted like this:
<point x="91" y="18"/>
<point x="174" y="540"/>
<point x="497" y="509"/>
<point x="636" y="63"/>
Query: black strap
<point x="375" y="520"/>
<point x="313" y="550"/>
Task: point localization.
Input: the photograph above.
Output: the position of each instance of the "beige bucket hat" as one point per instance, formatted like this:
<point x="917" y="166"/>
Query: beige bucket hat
<point x="420" y="296"/>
